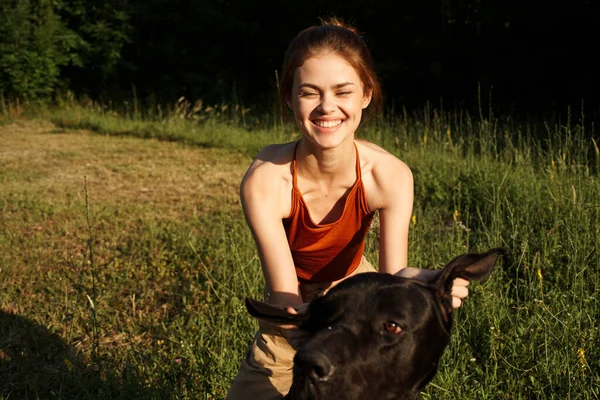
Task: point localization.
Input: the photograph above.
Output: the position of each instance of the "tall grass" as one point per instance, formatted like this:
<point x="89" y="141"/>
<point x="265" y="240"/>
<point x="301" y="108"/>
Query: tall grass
<point x="170" y="307"/>
<point x="570" y="142"/>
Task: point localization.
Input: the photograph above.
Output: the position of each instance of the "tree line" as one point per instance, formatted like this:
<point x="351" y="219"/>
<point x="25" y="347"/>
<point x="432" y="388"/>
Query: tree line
<point x="523" y="54"/>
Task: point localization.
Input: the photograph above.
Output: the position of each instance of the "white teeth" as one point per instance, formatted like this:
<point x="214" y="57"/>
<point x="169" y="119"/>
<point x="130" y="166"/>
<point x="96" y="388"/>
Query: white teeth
<point x="328" y="124"/>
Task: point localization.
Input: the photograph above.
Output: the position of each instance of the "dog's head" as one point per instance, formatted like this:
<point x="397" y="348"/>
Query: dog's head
<point x="375" y="335"/>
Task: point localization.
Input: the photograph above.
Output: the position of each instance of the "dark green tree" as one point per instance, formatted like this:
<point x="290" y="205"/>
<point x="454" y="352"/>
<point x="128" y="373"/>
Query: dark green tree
<point x="34" y="44"/>
<point x="103" y="28"/>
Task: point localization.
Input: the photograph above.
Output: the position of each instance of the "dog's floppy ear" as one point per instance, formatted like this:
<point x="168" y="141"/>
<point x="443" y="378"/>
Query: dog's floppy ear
<point x="470" y="266"/>
<point x="273" y="314"/>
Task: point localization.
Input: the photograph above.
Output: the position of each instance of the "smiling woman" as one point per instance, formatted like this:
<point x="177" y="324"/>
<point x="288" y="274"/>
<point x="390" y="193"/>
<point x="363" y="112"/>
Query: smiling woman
<point x="334" y="38"/>
<point x="328" y="98"/>
<point x="310" y="203"/>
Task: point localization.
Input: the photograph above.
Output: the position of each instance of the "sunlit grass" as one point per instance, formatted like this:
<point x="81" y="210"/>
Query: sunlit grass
<point x="173" y="258"/>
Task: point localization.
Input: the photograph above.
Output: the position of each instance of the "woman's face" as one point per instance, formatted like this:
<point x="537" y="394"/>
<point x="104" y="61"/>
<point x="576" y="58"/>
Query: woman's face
<point x="327" y="99"/>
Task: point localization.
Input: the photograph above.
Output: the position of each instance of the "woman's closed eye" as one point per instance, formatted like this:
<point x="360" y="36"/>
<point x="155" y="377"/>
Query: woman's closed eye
<point x="308" y="94"/>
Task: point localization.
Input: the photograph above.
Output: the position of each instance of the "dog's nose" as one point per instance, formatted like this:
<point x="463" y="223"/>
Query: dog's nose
<point x="316" y="363"/>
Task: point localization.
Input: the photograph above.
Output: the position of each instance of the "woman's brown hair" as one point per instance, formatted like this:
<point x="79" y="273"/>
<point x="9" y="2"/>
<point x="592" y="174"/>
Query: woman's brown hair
<point x="342" y="39"/>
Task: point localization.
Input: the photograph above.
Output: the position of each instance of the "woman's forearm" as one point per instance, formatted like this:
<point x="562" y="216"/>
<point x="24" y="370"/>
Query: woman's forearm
<point x="424" y="275"/>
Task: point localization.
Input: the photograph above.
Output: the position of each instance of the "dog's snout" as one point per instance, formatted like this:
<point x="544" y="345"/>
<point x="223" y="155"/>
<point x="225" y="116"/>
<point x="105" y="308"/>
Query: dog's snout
<point x="316" y="363"/>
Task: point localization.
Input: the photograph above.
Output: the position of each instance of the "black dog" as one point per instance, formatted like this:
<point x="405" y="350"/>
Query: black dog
<point x="375" y="336"/>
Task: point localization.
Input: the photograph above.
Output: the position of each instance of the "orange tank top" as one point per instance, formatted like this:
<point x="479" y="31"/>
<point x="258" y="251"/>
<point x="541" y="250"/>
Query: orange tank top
<point x="332" y="251"/>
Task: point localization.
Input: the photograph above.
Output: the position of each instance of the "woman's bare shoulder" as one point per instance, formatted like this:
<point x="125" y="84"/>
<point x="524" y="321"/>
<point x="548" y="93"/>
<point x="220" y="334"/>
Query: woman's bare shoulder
<point x="378" y="161"/>
<point x="270" y="171"/>
<point x="384" y="174"/>
<point x="275" y="155"/>
<point x="370" y="146"/>
<point x="271" y="160"/>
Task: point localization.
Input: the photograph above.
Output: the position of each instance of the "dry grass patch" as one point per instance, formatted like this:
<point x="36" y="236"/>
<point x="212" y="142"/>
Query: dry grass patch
<point x="147" y="198"/>
<point x="39" y="159"/>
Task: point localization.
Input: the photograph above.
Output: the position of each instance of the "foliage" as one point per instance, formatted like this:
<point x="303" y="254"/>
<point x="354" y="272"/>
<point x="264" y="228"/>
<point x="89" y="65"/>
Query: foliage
<point x="103" y="28"/>
<point x="34" y="45"/>
<point x="519" y="53"/>
<point x="49" y="45"/>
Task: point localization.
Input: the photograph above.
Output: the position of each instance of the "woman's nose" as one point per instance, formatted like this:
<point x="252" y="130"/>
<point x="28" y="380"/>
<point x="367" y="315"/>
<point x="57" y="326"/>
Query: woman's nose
<point x="327" y="104"/>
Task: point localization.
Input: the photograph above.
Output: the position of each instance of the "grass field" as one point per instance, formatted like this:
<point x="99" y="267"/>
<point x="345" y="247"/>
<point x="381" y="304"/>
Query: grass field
<point x="125" y="259"/>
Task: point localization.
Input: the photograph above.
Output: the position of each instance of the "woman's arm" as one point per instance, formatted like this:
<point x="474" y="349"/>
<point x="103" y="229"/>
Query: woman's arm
<point x="395" y="183"/>
<point x="397" y="190"/>
<point x="261" y="195"/>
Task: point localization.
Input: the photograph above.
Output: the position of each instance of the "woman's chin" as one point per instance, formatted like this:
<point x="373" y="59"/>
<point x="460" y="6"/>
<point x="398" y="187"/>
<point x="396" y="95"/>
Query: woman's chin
<point x="328" y="140"/>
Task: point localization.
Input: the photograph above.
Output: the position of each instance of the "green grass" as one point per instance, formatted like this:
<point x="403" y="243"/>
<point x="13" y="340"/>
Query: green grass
<point x="170" y="259"/>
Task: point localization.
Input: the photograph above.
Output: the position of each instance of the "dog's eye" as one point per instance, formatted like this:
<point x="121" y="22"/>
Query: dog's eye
<point x="392" y="327"/>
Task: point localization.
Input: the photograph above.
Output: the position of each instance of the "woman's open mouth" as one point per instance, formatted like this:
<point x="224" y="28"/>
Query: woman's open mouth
<point x="327" y="123"/>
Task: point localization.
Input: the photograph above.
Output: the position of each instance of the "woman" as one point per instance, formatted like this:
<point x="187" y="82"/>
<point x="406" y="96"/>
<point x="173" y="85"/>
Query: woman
<point x="309" y="203"/>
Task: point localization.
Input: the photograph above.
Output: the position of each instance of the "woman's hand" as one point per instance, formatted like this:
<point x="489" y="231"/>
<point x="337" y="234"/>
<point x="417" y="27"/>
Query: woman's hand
<point x="294" y="335"/>
<point x="459" y="291"/>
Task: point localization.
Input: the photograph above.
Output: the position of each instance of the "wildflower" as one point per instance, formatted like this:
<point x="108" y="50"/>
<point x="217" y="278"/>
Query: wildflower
<point x="459" y="223"/>
<point x="456" y="215"/>
<point x="539" y="273"/>
<point x="581" y="356"/>
<point x="414" y="219"/>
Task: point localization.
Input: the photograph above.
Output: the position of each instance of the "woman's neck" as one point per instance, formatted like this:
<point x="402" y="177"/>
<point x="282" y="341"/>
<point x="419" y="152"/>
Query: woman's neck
<point x="326" y="165"/>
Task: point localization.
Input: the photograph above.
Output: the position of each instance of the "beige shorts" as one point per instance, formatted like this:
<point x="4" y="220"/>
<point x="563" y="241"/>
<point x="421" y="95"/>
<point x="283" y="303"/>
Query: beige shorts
<point x="266" y="370"/>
